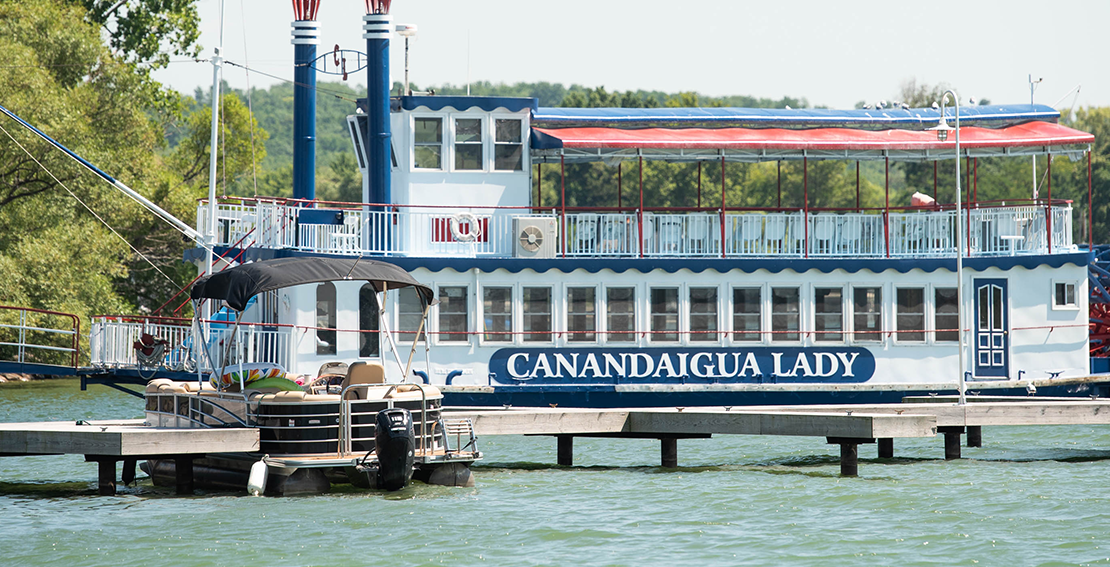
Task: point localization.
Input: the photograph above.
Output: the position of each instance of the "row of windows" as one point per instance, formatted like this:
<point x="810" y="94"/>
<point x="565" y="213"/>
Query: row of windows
<point x="526" y="314"/>
<point x="471" y="145"/>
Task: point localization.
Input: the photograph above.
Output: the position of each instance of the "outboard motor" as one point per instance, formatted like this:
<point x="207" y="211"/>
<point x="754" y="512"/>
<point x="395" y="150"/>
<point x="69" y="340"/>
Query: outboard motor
<point x="395" y="444"/>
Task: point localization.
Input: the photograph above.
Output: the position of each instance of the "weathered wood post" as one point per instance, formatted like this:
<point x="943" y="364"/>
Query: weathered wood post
<point x="849" y="453"/>
<point x="975" y="436"/>
<point x="566" y="450"/>
<point x="951" y="441"/>
<point x="886" y="448"/>
<point x="669" y="452"/>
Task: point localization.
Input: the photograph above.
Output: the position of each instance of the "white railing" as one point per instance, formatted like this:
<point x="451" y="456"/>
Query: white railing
<point x="111" y="344"/>
<point x="435" y="232"/>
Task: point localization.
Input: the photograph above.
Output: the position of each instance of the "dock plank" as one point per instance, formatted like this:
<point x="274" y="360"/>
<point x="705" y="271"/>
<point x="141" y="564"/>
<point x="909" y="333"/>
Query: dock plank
<point x="121" y="439"/>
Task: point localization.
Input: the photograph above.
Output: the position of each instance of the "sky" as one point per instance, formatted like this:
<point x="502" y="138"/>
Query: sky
<point x="832" y="53"/>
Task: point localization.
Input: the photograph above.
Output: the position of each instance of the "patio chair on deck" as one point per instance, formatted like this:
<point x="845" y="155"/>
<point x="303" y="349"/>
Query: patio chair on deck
<point x="585" y="235"/>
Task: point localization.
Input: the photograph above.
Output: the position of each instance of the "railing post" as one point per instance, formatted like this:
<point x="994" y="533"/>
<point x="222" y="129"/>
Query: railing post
<point x="640" y="211"/>
<point x="722" y="201"/>
<point x="563" y="202"/>
<point x="805" y="204"/>
<point x="1048" y="209"/>
<point x="886" y="210"/>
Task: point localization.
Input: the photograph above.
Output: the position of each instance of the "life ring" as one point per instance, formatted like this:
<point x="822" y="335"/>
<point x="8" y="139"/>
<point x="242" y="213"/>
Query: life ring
<point x="474" y="228"/>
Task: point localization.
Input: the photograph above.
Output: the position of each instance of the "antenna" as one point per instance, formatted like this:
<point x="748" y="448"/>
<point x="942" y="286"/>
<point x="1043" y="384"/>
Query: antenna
<point x="1032" y="89"/>
<point x="406" y="31"/>
<point x="467" y="62"/>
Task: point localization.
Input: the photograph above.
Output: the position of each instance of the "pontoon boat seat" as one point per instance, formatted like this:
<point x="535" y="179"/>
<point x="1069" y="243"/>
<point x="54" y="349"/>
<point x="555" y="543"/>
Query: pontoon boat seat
<point x="339" y="368"/>
<point x="362" y="373"/>
<point x="586" y="233"/>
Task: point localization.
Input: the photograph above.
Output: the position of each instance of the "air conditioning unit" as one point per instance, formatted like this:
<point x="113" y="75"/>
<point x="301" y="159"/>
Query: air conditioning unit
<point x="535" y="237"/>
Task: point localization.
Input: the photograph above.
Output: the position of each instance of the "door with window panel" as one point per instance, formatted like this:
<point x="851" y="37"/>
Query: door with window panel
<point x="992" y="341"/>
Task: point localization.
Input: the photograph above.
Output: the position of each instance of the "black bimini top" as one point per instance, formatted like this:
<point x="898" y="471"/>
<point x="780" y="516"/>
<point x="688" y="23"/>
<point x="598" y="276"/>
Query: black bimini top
<point x="238" y="285"/>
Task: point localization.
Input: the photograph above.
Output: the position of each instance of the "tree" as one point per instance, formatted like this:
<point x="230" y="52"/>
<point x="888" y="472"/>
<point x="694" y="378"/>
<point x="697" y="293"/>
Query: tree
<point x="147" y="32"/>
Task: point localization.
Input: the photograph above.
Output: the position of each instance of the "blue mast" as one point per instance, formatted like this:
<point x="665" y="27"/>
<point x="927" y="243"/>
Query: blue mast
<point x="305" y="38"/>
<point x="377" y="25"/>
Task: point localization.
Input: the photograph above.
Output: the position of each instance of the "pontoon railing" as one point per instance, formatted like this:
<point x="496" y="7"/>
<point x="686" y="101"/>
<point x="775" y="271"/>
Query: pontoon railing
<point x="35" y="336"/>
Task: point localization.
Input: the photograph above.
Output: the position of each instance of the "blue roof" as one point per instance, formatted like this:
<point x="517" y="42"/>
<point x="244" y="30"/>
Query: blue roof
<point x="992" y="115"/>
<point x="486" y="103"/>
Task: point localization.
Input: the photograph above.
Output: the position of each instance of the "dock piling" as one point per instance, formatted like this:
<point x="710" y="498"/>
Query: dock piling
<point x="975" y="436"/>
<point x="128" y="473"/>
<point x="106" y="474"/>
<point x="849" y="453"/>
<point x="886" y="448"/>
<point x="566" y="450"/>
<point x="669" y="452"/>
<point x="183" y="465"/>
<point x="951" y="441"/>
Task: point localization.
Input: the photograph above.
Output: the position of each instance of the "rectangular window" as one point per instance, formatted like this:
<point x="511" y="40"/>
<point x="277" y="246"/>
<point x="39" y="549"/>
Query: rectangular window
<point x="409" y="314"/>
<point x="867" y="312"/>
<point x="620" y="312"/>
<point x="537" y="314"/>
<point x="581" y="314"/>
<point x="828" y="313"/>
<point x="1064" y="295"/>
<point x="703" y="314"/>
<point x="945" y="319"/>
<point x="497" y="307"/>
<point x="428" y="143"/>
<point x="664" y="314"/>
<point x="508" y="146"/>
<point x="785" y="314"/>
<point x="453" y="324"/>
<point x="468" y="143"/>
<point x="747" y="312"/>
<point x="910" y="315"/>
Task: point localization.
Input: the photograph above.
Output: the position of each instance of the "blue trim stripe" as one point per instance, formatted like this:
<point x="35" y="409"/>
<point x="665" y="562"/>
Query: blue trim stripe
<point x="699" y="265"/>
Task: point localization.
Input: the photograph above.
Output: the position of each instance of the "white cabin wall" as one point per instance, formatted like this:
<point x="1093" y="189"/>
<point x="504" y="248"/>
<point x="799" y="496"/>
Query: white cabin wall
<point x="1036" y="351"/>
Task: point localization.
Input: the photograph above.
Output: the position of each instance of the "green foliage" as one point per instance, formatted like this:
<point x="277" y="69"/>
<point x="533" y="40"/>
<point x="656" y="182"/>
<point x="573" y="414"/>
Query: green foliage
<point x="147" y="32"/>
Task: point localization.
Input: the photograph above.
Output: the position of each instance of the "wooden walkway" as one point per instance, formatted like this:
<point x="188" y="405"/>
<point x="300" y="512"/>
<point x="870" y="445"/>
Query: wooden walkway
<point x="108" y="442"/>
<point x="846" y="425"/>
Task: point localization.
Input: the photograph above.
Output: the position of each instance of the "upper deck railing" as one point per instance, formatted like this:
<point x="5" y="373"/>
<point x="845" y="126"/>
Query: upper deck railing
<point x="993" y="229"/>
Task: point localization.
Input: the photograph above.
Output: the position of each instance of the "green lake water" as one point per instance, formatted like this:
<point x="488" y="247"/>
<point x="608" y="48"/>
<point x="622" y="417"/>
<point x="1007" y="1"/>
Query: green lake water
<point x="1029" y="496"/>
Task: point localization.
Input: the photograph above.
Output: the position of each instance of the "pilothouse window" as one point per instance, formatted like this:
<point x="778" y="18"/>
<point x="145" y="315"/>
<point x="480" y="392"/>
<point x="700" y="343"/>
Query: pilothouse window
<point x="468" y="144"/>
<point x="509" y="149"/>
<point x="428" y="143"/>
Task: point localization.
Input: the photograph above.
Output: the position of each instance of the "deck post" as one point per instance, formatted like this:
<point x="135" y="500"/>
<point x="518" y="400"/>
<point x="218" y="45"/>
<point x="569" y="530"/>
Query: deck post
<point x="183" y="471"/>
<point x="934" y="180"/>
<point x="699" y="184"/>
<point x="563" y="202"/>
<point x="1048" y="208"/>
<point x="975" y="436"/>
<point x="805" y="204"/>
<point x="1090" y="207"/>
<point x="886" y="209"/>
<point x="857" y="185"/>
<point x="886" y="448"/>
<point x="668" y="452"/>
<point x="779" y="184"/>
<point x="620" y="190"/>
<point x="565" y="456"/>
<point x="106" y="474"/>
<point x="722" y="202"/>
<point x="849" y="453"/>
<point x="640" y="212"/>
<point x="128" y="473"/>
<point x="539" y="184"/>
<point x="951" y="441"/>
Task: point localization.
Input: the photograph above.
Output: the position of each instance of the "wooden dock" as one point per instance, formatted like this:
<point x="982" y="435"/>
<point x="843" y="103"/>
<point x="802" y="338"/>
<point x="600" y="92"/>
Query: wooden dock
<point x="109" y="442"/>
<point x="846" y="425"/>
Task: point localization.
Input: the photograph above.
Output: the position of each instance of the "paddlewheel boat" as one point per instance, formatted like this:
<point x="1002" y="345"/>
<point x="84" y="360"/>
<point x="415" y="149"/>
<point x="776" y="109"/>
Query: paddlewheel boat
<point x="712" y="303"/>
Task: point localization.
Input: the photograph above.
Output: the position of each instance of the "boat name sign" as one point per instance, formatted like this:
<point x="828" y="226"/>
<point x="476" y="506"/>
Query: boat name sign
<point x="672" y="365"/>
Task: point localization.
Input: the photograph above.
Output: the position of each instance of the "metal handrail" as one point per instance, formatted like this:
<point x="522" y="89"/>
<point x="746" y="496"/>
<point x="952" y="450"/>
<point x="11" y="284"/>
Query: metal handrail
<point x="22" y="345"/>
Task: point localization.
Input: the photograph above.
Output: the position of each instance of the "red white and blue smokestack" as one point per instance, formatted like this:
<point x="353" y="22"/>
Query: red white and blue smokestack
<point x="306" y="35"/>
<point x="377" y="25"/>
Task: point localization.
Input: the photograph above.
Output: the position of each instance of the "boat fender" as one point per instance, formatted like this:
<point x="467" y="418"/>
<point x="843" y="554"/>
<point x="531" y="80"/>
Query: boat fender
<point x="395" y="445"/>
<point x="473" y="227"/>
<point x="256" y="482"/>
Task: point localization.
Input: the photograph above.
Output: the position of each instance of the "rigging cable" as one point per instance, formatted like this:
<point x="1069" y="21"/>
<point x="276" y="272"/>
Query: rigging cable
<point x="250" y="105"/>
<point x="88" y="208"/>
